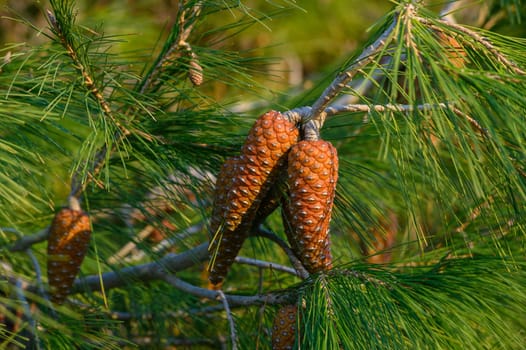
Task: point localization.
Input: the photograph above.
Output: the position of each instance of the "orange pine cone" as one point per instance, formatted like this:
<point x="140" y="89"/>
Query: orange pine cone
<point x="68" y="243"/>
<point x="284" y="328"/>
<point x="242" y="185"/>
<point x="455" y="51"/>
<point x="312" y="176"/>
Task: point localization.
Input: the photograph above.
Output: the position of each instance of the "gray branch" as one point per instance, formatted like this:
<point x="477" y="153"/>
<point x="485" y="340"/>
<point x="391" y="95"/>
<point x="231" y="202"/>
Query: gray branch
<point x="233" y="300"/>
<point x="342" y="79"/>
<point x="26" y="242"/>
<point x="146" y="272"/>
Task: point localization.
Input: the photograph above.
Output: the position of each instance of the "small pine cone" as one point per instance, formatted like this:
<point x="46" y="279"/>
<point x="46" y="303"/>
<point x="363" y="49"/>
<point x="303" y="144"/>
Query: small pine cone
<point x="68" y="242"/>
<point x="312" y="176"/>
<point x="455" y="51"/>
<point x="244" y="185"/>
<point x="284" y="328"/>
<point x="195" y="72"/>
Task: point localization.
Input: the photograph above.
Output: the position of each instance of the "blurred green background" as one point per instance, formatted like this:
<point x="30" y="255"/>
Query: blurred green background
<point x="306" y="37"/>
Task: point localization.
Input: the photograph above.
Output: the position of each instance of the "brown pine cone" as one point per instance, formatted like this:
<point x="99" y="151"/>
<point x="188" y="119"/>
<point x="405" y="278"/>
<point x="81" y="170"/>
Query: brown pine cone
<point x="68" y="242"/>
<point x="312" y="177"/>
<point x="243" y="185"/>
<point x="226" y="174"/>
<point x="284" y="328"/>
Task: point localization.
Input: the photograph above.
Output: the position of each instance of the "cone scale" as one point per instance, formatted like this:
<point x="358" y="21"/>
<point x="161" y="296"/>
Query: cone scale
<point x="284" y="328"/>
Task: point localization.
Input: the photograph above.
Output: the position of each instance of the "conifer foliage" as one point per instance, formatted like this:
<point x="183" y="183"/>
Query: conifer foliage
<point x="379" y="207"/>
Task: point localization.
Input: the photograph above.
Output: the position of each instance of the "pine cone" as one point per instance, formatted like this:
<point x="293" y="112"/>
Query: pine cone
<point x="68" y="243"/>
<point x="284" y="328"/>
<point x="222" y="259"/>
<point x="226" y="174"/>
<point x="243" y="185"/>
<point x="312" y="176"/>
<point x="195" y="72"/>
<point x="455" y="51"/>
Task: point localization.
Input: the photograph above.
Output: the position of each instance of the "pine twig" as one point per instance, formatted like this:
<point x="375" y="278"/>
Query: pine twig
<point x="296" y="263"/>
<point x="77" y="187"/>
<point x="477" y="37"/>
<point x="89" y="82"/>
<point x="128" y="247"/>
<point x="266" y="265"/>
<point x="38" y="273"/>
<point x="317" y="113"/>
<point x="303" y="112"/>
<point x="144" y="272"/>
<point x="353" y="108"/>
<point x="364" y="108"/>
<point x="473" y="215"/>
<point x="24" y="242"/>
<point x="179" y="44"/>
<point x="474" y="123"/>
<point x="233" y="300"/>
<point x="233" y="334"/>
<point x="28" y="315"/>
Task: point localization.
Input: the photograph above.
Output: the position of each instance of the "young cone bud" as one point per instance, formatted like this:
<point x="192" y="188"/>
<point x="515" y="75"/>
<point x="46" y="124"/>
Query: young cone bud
<point x="312" y="176"/>
<point x="242" y="186"/>
<point x="284" y="328"/>
<point x="195" y="72"/>
<point x="68" y="243"/>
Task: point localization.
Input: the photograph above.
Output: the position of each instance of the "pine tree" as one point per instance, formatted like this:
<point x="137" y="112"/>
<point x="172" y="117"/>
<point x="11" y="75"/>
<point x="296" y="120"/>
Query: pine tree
<point x="119" y="148"/>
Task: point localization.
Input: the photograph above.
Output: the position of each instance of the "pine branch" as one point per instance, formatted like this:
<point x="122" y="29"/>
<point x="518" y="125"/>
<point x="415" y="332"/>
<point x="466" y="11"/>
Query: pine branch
<point x="353" y="108"/>
<point x="477" y="37"/>
<point x="267" y="265"/>
<point x="157" y="270"/>
<point x="38" y="273"/>
<point x="270" y="298"/>
<point x="78" y="185"/>
<point x="25" y="242"/>
<point x="27" y="315"/>
<point x="233" y="334"/>
<point x="317" y="115"/>
<point x="179" y="45"/>
<point x="144" y="272"/>
<point x="128" y="247"/>
<point x="89" y="82"/>
<point x="296" y="263"/>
